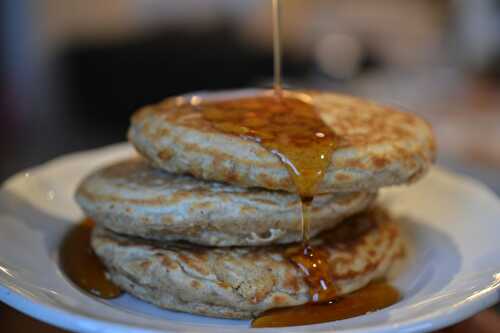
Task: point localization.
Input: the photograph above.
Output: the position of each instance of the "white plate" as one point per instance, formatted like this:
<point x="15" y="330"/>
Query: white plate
<point x="452" y="272"/>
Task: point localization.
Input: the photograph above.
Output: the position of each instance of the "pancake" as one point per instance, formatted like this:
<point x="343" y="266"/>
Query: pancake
<point x="243" y="282"/>
<point x="133" y="198"/>
<point x="376" y="146"/>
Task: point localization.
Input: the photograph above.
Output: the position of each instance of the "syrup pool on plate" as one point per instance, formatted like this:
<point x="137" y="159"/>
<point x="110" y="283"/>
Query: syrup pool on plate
<point x="82" y="266"/>
<point x="373" y="297"/>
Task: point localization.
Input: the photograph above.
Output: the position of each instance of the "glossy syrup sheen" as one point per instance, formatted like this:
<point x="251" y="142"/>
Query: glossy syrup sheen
<point x="82" y="266"/>
<point x="375" y="296"/>
<point x="313" y="262"/>
<point x="288" y="126"/>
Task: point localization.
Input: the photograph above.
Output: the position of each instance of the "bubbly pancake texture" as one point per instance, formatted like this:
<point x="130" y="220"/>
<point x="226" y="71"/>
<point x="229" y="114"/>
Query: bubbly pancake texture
<point x="375" y="145"/>
<point x="131" y="197"/>
<point x="243" y="282"/>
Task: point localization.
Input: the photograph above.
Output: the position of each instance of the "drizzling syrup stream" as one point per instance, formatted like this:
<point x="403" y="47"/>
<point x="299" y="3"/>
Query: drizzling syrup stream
<point x="277" y="54"/>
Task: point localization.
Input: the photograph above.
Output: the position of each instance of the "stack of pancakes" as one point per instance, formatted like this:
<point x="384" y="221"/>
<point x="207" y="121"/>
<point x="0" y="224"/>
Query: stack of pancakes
<point x="202" y="221"/>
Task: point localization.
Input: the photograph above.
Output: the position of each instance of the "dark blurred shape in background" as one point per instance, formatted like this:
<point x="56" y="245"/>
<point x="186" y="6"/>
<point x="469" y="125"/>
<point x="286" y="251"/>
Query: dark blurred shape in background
<point x="74" y="71"/>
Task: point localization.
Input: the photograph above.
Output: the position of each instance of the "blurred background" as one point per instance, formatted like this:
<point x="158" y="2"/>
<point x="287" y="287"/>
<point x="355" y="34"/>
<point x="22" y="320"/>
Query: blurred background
<point x="74" y="71"/>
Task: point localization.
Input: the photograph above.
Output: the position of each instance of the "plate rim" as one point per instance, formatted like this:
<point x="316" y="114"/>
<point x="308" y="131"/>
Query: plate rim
<point x="62" y="318"/>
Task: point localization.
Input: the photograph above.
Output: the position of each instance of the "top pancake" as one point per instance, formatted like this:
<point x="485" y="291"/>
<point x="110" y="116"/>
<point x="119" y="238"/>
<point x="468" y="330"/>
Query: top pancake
<point x="376" y="145"/>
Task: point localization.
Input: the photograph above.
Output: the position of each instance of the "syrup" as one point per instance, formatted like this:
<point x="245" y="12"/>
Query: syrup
<point x="373" y="297"/>
<point x="82" y="266"/>
<point x="290" y="128"/>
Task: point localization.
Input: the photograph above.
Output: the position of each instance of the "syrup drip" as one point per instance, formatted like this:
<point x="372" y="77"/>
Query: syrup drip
<point x="313" y="262"/>
<point x="82" y="266"/>
<point x="373" y="297"/>
<point x="290" y="128"/>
